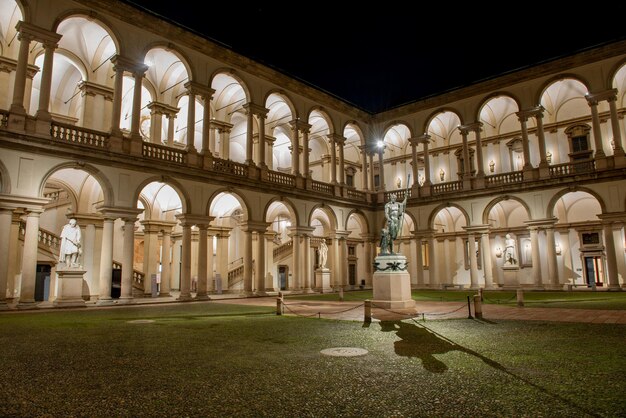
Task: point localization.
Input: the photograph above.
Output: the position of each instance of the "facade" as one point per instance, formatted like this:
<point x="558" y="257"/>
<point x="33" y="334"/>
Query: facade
<point x="196" y="170"/>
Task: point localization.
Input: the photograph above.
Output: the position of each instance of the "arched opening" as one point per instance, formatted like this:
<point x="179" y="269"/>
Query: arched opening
<point x="10" y="14"/>
<point x="450" y="260"/>
<point x="360" y="252"/>
<point x="229" y="116"/>
<point x="498" y="116"/>
<point x="281" y="217"/>
<point x="320" y="145"/>
<point x="354" y="171"/>
<point x="323" y="222"/>
<point x="397" y="165"/>
<point x="279" y="132"/>
<point x="445" y="135"/>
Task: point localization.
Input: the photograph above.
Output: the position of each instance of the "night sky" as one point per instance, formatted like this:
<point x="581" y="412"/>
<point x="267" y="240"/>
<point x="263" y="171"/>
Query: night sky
<point x="381" y="58"/>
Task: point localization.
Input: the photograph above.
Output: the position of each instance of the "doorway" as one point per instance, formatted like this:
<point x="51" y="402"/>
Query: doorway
<point x="594" y="271"/>
<point x="352" y="274"/>
<point x="282" y="277"/>
<point x="42" y="282"/>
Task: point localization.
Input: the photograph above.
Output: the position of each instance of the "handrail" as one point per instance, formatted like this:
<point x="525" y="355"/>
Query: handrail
<point x="448" y="187"/>
<point x="164" y="153"/>
<point x="78" y="135"/>
<point x="573" y="168"/>
<point x="504" y="178"/>
<point x="320" y="186"/>
<point x="281" y="178"/>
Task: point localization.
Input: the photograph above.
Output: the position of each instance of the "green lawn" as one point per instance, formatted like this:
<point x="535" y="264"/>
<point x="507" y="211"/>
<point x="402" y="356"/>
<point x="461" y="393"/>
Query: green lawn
<point x="580" y="299"/>
<point x="209" y="359"/>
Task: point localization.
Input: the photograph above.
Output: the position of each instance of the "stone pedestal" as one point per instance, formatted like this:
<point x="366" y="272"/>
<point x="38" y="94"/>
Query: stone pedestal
<point x="511" y="278"/>
<point x="392" y="283"/>
<point x="322" y="281"/>
<point x="70" y="290"/>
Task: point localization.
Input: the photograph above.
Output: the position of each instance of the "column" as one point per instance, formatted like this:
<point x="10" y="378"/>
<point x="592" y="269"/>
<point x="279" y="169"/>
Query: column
<point x="249" y="144"/>
<point x="617" y="135"/>
<point x="210" y="262"/>
<point x="305" y="151"/>
<point x="342" y="169"/>
<point x="336" y="261"/>
<point x="433" y="270"/>
<point x="202" y="263"/>
<point x="222" y="258"/>
<point x="534" y="243"/>
<point x="466" y="155"/>
<point x="156" y="123"/>
<point x="487" y="260"/>
<point x="185" y="276"/>
<point x="381" y="168"/>
<point x="414" y="160"/>
<point x="116" y="114"/>
<point x="364" y="174"/>
<point x="126" y="295"/>
<point x="597" y="129"/>
<point x="206" y="127"/>
<point x="166" y="260"/>
<point x="5" y="234"/>
<point x="541" y="136"/>
<point x="473" y="261"/>
<point x="88" y="256"/>
<point x="171" y="121"/>
<point x="553" y="271"/>
<point x="419" y="261"/>
<point x="17" y="106"/>
<point x="150" y="245"/>
<point x="611" y="260"/>
<point x="261" y="160"/>
<point x="106" y="261"/>
<point x="269" y="244"/>
<point x="480" y="172"/>
<point x="46" y="81"/>
<point x="247" y="262"/>
<point x="371" y="171"/>
<point x="333" y="159"/>
<point x="523" y="118"/>
<point x="191" y="121"/>
<point x="296" y="266"/>
<point x="295" y="148"/>
<point x="136" y="109"/>
<point x="425" y="142"/>
<point x="29" y="261"/>
<point x="260" y="261"/>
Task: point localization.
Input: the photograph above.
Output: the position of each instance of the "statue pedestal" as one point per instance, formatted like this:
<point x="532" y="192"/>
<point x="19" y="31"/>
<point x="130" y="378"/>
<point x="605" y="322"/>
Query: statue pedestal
<point x="511" y="278"/>
<point x="70" y="290"/>
<point x="392" y="283"/>
<point x="322" y="281"/>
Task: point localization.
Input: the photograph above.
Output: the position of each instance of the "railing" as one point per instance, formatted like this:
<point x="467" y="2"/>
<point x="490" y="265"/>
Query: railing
<point x="230" y="167"/>
<point x="448" y="187"/>
<point x="285" y="248"/>
<point x="49" y="240"/>
<point x="78" y="135"/>
<point x="281" y="178"/>
<point x="164" y="153"/>
<point x="4" y="118"/>
<point x="235" y="276"/>
<point x="356" y="194"/>
<point x="572" y="168"/>
<point x="399" y="194"/>
<point x="322" y="187"/>
<point x="504" y="178"/>
<point x="236" y="263"/>
<point x="53" y="196"/>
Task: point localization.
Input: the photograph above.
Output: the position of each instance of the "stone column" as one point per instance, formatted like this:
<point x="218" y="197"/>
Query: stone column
<point x="413" y="142"/>
<point x="597" y="129"/>
<point x="473" y="261"/>
<point x="126" y="294"/>
<point x="166" y="268"/>
<point x="88" y="257"/>
<point x="191" y="120"/>
<point x="487" y="260"/>
<point x="17" y="106"/>
<point x="425" y="141"/>
<point x="210" y="261"/>
<point x="206" y="127"/>
<point x="295" y="148"/>
<point x="305" y="151"/>
<point x="136" y="109"/>
<point x="611" y="260"/>
<point x="307" y="262"/>
<point x="617" y="135"/>
<point x="534" y="242"/>
<point x="156" y="123"/>
<point x="222" y="257"/>
<point x="538" y="114"/>
<point x="381" y="168"/>
<point x="467" y="166"/>
<point x="269" y="245"/>
<point x="151" y="243"/>
<point x="419" y="261"/>
<point x="342" y="170"/>
<point x="171" y="121"/>
<point x="249" y="134"/>
<point x="261" y="160"/>
<point x="118" y="92"/>
<point x="202" y="263"/>
<point x="46" y="81"/>
<point x="185" y="276"/>
<point x="260" y="262"/>
<point x="5" y="238"/>
<point x="106" y="261"/>
<point x="335" y="266"/>
<point x="29" y="260"/>
<point x="371" y="171"/>
<point x="296" y="283"/>
<point x="433" y="270"/>
<point x="247" y="262"/>
<point x="333" y="159"/>
<point x="364" y="185"/>
<point x="523" y="118"/>
<point x="553" y="271"/>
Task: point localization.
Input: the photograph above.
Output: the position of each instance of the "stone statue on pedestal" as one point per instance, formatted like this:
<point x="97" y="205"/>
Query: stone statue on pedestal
<point x="323" y="254"/>
<point x="510" y="255"/>
<point x="70" y="244"/>
<point x="394" y="213"/>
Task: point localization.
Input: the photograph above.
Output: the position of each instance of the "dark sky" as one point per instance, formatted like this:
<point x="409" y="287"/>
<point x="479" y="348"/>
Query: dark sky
<point x="379" y="58"/>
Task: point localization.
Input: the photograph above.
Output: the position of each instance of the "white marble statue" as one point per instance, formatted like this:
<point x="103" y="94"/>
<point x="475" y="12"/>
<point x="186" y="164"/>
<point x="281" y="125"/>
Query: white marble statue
<point x="70" y="244"/>
<point x="510" y="254"/>
<point x="323" y="254"/>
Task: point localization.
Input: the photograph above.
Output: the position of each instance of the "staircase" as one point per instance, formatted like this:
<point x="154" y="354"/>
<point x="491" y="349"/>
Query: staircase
<point x="283" y="251"/>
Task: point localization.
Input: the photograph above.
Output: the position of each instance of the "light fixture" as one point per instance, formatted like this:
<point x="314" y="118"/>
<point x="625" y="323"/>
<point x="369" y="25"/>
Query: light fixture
<point x="549" y="157"/>
<point x="380" y="144"/>
<point x="492" y="166"/>
<point x="557" y="248"/>
<point x="498" y="252"/>
<point x="442" y="174"/>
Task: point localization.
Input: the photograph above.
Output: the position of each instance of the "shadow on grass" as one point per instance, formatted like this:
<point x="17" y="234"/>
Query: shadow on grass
<point x="419" y="341"/>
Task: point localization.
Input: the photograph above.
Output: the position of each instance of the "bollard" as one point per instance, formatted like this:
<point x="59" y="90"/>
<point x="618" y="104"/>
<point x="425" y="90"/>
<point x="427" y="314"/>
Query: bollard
<point x="478" y="307"/>
<point x="469" y="309"/>
<point x="367" y="311"/>
<point x="520" y="297"/>
<point x="340" y="293"/>
<point x="480" y="292"/>
<point x="279" y="305"/>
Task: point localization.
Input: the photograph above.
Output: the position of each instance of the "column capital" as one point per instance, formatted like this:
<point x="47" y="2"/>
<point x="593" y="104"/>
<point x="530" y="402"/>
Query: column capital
<point x="190" y="220"/>
<point x="199" y="89"/>
<point x="113" y="212"/>
<point x="157" y="225"/>
<point x="336" y="138"/>
<point x="541" y="223"/>
<point x="221" y="125"/>
<point x="476" y="229"/>
<point x="471" y="127"/>
<point x="33" y="32"/>
<point x="255" y="226"/>
<point x="162" y="108"/>
<point x="93" y="89"/>
<point x="608" y="95"/>
<point x="339" y="234"/>
<point x="424" y="139"/>
<point x="536" y="112"/>
<point x="126" y="64"/>
<point x="300" y="125"/>
<point x="523" y="115"/>
<point x="300" y="230"/>
<point x="256" y="109"/>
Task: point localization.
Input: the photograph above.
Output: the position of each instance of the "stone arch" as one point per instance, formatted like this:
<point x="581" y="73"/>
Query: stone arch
<point x="236" y="194"/>
<point x="362" y="220"/>
<point x="234" y="74"/>
<point x="357" y="128"/>
<point x="5" y="179"/>
<point x="444" y="109"/>
<point x="559" y="77"/>
<point x="494" y="202"/>
<point x="395" y="122"/>
<point x="287" y="203"/>
<point x="169" y="47"/>
<point x="495" y="95"/>
<point x="93" y="16"/>
<point x="147" y="207"/>
<point x="174" y="184"/>
<point x="435" y="211"/>
<point x="561" y="193"/>
<point x="325" y="116"/>
<point x="328" y="211"/>
<point x="286" y="97"/>
<point x="101" y="178"/>
<point x="613" y="73"/>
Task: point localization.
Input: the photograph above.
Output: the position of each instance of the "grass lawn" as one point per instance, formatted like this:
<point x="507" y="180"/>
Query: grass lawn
<point x="580" y="300"/>
<point x="208" y="359"/>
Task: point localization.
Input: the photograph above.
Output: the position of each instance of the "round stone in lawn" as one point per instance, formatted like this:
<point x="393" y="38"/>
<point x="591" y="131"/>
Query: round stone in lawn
<point x="141" y="321"/>
<point x="344" y="352"/>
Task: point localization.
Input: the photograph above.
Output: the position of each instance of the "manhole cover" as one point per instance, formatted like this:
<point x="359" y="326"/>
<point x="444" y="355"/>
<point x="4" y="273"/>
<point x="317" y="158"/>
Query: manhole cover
<point x="344" y="352"/>
<point x="141" y="321"/>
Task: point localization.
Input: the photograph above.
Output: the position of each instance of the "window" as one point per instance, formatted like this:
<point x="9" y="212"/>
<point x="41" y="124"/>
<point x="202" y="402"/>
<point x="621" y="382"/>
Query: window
<point x="579" y="142"/>
<point x="349" y="180"/>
